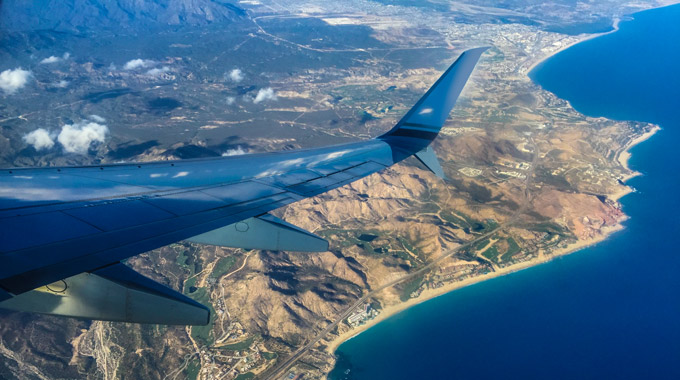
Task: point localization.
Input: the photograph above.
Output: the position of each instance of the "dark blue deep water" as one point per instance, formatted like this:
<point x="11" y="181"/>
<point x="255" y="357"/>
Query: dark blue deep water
<point x="608" y="312"/>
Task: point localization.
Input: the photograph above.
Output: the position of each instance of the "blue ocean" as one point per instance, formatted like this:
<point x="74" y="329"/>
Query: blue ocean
<point x="611" y="311"/>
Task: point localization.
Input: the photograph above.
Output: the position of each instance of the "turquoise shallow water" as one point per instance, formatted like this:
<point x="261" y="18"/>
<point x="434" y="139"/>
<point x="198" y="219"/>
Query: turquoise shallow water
<point x="611" y="311"/>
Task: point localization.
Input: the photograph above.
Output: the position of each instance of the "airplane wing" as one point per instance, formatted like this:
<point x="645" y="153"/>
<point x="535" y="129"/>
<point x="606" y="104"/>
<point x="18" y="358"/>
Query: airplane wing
<point x="64" y="231"/>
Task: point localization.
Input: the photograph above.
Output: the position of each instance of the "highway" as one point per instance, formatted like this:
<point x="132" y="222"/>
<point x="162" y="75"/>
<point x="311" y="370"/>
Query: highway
<point x="280" y="368"/>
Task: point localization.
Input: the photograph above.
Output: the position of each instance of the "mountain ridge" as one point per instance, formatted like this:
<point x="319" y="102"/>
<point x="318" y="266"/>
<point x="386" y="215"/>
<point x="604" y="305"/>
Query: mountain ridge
<point x="85" y="16"/>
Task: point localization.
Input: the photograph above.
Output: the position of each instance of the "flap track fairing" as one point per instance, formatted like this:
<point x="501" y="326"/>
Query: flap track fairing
<point x="265" y="232"/>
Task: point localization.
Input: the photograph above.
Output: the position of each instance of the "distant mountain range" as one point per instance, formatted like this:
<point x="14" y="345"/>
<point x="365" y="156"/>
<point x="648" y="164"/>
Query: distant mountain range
<point x="83" y="16"/>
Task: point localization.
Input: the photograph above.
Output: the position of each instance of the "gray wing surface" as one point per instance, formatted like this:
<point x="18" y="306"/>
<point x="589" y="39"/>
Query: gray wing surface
<point x="73" y="225"/>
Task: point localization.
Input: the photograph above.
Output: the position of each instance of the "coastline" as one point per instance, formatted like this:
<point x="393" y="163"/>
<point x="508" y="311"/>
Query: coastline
<point x="584" y="37"/>
<point x="429" y="294"/>
<point x="622" y="157"/>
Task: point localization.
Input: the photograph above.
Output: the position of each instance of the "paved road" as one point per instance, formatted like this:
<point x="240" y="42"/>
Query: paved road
<point x="280" y="368"/>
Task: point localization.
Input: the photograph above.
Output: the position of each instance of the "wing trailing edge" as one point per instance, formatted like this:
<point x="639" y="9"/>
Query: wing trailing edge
<point x="119" y="219"/>
<point x="114" y="293"/>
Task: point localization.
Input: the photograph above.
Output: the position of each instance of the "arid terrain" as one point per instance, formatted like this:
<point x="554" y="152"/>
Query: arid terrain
<point x="528" y="179"/>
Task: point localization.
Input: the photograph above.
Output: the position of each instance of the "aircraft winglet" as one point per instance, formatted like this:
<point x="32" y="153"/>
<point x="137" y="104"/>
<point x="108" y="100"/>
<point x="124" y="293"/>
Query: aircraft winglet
<point x="429" y="114"/>
<point x="420" y="126"/>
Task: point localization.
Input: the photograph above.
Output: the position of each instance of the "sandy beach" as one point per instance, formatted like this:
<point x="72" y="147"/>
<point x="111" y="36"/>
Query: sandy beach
<point x="584" y="37"/>
<point x="623" y="158"/>
<point x="429" y="294"/>
<point x="625" y="155"/>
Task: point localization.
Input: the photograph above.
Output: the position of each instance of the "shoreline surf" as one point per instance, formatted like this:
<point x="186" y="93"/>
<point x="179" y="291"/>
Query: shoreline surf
<point x="622" y="158"/>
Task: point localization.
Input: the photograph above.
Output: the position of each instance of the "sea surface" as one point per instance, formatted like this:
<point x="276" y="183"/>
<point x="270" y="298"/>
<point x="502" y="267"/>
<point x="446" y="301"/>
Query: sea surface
<point x="611" y="311"/>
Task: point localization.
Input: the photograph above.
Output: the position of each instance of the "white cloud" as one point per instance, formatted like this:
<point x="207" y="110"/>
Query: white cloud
<point x="53" y="59"/>
<point x="234" y="152"/>
<point x="231" y="100"/>
<point x="12" y="80"/>
<point x="50" y="59"/>
<point x="156" y="72"/>
<point x="97" y="118"/>
<point x="78" y="137"/>
<point x="61" y="84"/>
<point x="138" y="63"/>
<point x="264" y="94"/>
<point x="74" y="138"/>
<point x="236" y="75"/>
<point x="39" y="139"/>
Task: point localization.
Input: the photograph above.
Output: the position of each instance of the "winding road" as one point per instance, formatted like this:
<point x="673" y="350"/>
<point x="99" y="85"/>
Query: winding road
<point x="280" y="368"/>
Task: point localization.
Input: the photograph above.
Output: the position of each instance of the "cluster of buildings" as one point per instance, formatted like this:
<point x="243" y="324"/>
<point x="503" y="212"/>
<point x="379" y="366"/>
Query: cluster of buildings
<point x="360" y="316"/>
<point x="230" y="366"/>
<point x="521" y="166"/>
<point x="470" y="172"/>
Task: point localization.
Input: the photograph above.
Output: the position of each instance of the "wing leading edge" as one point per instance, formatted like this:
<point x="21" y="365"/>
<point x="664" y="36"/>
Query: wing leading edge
<point x="68" y="225"/>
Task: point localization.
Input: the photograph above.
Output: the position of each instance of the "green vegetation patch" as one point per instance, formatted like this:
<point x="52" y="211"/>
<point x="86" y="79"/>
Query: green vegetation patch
<point x="468" y="224"/>
<point x="188" y="284"/>
<point x="193" y="368"/>
<point x="410" y="287"/>
<point x="245" y="376"/>
<point x="204" y="333"/>
<point x="269" y="355"/>
<point x="223" y="266"/>
<point x="367" y="237"/>
<point x="185" y="259"/>
<point x="407" y="244"/>
<point x="348" y="238"/>
<point x="513" y="249"/>
<point x="551" y="228"/>
<point x="470" y="221"/>
<point x="480" y="245"/>
<point x="500" y="116"/>
<point x="239" y="346"/>
<point x="491" y="253"/>
<point x="182" y="257"/>
<point x="430" y="208"/>
<point x="451" y="218"/>
<point x="490" y="224"/>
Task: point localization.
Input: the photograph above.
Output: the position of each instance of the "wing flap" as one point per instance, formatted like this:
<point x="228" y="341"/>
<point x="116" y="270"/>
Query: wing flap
<point x="115" y="293"/>
<point x="336" y="179"/>
<point x="263" y="232"/>
<point x="29" y="268"/>
<point x="240" y="192"/>
<point x="185" y="203"/>
<point x="289" y="179"/>
<point x="47" y="234"/>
